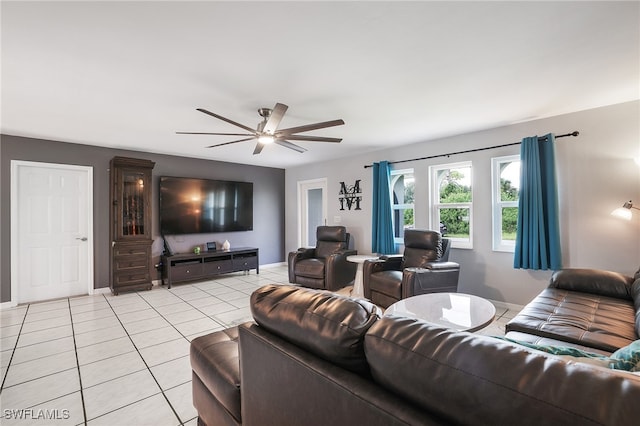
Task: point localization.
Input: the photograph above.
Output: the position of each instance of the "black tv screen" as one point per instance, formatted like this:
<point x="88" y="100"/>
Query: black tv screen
<point x="195" y="206"/>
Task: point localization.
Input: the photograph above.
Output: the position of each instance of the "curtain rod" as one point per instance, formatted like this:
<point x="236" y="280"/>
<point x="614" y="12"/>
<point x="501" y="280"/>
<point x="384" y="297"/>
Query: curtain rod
<point x="542" y="138"/>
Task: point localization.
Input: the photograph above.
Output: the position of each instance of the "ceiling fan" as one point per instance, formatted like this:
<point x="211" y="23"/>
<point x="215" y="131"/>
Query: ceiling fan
<point x="267" y="131"/>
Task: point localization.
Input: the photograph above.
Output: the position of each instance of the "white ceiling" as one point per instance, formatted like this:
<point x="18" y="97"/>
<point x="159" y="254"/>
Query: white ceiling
<point x="129" y="75"/>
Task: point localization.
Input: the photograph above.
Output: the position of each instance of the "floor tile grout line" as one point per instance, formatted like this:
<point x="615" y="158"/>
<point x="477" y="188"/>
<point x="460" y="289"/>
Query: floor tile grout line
<point x="226" y="286"/>
<point x="224" y="325"/>
<point x="104" y="359"/>
<point x="147" y="367"/>
<point x="164" y="318"/>
<point x="135" y="402"/>
<point x="40" y="357"/>
<point x="15" y="345"/>
<point x="75" y="347"/>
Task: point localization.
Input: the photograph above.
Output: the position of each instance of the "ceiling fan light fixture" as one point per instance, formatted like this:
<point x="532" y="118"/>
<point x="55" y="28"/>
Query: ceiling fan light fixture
<point x="267" y="131"/>
<point x="266" y="139"/>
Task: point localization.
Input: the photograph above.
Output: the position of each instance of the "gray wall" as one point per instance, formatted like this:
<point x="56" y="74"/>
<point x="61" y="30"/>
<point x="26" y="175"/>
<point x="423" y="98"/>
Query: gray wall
<point x="596" y="173"/>
<point x="268" y="184"/>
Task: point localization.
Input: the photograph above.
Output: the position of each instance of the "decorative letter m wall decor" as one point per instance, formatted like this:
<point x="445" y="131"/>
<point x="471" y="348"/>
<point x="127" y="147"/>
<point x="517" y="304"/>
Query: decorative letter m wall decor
<point x="350" y="195"/>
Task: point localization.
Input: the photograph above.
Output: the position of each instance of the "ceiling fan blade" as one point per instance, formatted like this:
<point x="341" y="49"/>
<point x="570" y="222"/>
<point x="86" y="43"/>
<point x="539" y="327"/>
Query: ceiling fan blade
<point x="219" y="117"/>
<point x="309" y="127"/>
<point x="221" y="134"/>
<point x="313" y="138"/>
<point x="289" y="145"/>
<point x="275" y="118"/>
<point x="258" y="148"/>
<point x="228" y="143"/>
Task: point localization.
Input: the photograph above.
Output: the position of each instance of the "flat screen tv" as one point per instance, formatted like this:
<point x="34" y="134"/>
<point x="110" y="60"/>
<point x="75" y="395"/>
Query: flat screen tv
<point x="196" y="206"/>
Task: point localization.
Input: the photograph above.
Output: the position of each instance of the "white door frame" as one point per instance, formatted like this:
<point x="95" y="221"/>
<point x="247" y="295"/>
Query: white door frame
<point x="303" y="187"/>
<point x="15" y="166"/>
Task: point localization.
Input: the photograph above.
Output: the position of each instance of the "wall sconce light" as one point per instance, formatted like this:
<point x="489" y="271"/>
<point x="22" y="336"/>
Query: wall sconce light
<point x="625" y="211"/>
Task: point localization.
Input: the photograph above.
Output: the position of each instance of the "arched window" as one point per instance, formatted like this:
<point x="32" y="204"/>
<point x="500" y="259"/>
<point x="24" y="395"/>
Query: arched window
<point x="402" y="194"/>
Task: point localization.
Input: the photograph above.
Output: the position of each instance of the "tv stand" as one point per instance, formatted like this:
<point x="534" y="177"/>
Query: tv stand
<point x="191" y="266"/>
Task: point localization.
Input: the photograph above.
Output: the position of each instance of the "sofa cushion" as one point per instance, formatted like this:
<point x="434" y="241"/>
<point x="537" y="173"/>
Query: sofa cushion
<point x="420" y="248"/>
<point x="595" y="281"/>
<point x="327" y="324"/>
<point x="311" y="268"/>
<point x="473" y="379"/>
<point x="215" y="361"/>
<point x="330" y="240"/>
<point x="537" y="340"/>
<point x="591" y="320"/>
<point x="387" y="282"/>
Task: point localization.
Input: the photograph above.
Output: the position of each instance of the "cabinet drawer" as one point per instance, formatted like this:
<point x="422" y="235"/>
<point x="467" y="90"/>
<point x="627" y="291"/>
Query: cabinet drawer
<point x="218" y="266"/>
<point x="131" y="278"/>
<point x="130" y="263"/>
<point x="245" y="263"/>
<point x="132" y="250"/>
<point x="186" y="271"/>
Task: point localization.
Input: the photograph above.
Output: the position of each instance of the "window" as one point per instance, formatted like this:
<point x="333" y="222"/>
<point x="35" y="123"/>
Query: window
<point x="402" y="190"/>
<point x="451" y="202"/>
<point x="505" y="178"/>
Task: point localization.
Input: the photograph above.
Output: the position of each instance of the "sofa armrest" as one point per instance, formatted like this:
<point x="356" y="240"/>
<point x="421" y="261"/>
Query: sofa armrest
<point x="391" y="257"/>
<point x="435" y="277"/>
<point x="294" y="256"/>
<point x="305" y="253"/>
<point x="338" y="271"/>
<point x="594" y="281"/>
<point x="440" y="266"/>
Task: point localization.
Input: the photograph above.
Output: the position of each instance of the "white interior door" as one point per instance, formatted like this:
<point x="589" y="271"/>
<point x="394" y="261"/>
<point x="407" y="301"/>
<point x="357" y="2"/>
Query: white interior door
<point x="52" y="238"/>
<point x="313" y="209"/>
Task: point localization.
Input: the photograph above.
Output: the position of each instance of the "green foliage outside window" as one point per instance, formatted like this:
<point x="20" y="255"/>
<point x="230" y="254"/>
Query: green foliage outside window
<point x="409" y="191"/>
<point x="509" y="214"/>
<point x="452" y="190"/>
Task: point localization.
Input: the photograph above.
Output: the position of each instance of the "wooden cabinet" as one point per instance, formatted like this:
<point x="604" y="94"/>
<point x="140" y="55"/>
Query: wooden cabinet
<point x="191" y="266"/>
<point x="130" y="224"/>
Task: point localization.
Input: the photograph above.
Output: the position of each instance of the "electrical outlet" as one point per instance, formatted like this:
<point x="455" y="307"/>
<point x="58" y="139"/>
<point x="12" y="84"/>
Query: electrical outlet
<point x="337" y="219"/>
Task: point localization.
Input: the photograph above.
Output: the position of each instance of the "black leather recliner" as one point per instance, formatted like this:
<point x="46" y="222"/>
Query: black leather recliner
<point x="423" y="268"/>
<point x="325" y="266"/>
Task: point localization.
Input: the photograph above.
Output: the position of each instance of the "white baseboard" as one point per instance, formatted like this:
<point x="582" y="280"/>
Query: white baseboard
<point x="101" y="290"/>
<point x="7" y="305"/>
<point x="273" y="265"/>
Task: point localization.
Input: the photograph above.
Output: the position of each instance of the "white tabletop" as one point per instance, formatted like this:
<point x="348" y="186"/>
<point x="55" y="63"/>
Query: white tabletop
<point x="457" y="311"/>
<point x="360" y="258"/>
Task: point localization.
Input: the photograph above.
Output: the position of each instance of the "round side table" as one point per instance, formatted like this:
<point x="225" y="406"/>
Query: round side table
<point x="457" y="311"/>
<point x="358" y="287"/>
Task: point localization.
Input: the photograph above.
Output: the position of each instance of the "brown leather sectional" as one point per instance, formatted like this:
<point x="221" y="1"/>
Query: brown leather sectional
<point x="315" y="358"/>
<point x="590" y="309"/>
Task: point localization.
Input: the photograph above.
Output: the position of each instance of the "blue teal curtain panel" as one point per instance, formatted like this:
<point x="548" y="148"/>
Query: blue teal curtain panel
<point x="538" y="232"/>
<point x="382" y="226"/>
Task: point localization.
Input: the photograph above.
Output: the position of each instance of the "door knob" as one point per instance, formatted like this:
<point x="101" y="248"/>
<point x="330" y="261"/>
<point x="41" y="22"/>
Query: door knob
<point x="82" y="239"/>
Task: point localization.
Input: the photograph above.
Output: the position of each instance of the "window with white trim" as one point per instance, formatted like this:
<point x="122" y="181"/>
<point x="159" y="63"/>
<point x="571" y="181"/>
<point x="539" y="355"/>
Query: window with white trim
<point x="402" y="186"/>
<point x="452" y="202"/>
<point x="505" y="182"/>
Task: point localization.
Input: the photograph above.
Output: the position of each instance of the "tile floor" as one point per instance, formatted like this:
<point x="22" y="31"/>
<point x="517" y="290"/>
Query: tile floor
<point x="121" y="360"/>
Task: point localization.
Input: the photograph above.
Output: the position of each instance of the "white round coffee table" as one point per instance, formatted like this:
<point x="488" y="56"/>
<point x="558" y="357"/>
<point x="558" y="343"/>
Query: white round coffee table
<point x="457" y="311"/>
<point x="358" y="287"/>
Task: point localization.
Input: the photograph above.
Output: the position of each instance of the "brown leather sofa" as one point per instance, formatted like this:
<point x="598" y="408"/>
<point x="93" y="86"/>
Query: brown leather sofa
<point x="316" y="358"/>
<point x="589" y="309"/>
<point x="325" y="266"/>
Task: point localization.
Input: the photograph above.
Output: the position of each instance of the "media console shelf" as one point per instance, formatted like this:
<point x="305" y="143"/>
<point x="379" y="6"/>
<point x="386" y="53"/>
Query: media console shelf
<point x="191" y="266"/>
